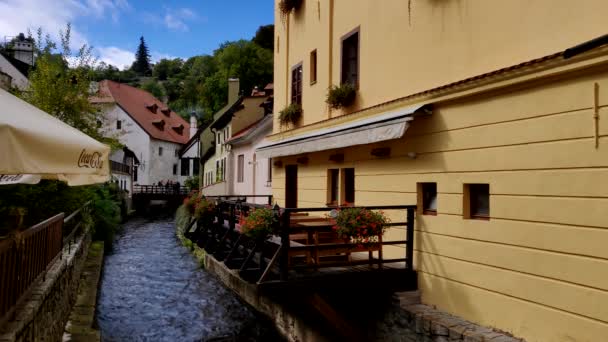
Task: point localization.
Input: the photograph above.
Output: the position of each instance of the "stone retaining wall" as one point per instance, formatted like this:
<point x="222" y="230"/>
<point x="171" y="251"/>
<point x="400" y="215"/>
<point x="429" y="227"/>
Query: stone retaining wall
<point x="44" y="315"/>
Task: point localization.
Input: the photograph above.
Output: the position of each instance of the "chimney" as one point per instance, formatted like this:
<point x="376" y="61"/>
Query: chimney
<point x="193" y="127"/>
<point x="233" y="90"/>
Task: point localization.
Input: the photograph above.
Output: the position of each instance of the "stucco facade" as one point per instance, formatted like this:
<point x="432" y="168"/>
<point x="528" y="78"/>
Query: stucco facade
<point x="536" y="266"/>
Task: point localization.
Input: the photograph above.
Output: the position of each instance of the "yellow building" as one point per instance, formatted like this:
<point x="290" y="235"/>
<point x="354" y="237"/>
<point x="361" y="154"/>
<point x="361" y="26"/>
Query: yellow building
<point x="476" y="111"/>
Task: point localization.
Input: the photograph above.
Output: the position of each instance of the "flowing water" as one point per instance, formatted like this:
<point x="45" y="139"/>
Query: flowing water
<point x="154" y="290"/>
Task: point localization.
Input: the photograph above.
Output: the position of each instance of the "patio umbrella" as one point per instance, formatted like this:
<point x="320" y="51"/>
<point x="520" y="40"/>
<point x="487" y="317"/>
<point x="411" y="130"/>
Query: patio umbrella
<point x="35" y="145"/>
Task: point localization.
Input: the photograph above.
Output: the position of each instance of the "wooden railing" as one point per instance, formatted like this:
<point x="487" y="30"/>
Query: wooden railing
<point x="26" y="255"/>
<point x="120" y="167"/>
<point x="304" y="242"/>
<point x="160" y="189"/>
<point x="237" y="199"/>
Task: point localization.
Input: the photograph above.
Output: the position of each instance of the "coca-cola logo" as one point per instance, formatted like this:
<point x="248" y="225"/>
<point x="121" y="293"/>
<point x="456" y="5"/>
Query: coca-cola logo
<point x="90" y="160"/>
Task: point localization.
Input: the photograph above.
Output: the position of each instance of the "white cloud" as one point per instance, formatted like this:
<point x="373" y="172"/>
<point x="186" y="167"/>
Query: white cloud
<point x="52" y="16"/>
<point x="116" y="56"/>
<point x="175" y="19"/>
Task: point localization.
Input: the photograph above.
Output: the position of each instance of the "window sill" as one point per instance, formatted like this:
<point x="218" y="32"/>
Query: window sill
<point x="313" y="83"/>
<point x="429" y="212"/>
<point x="479" y="217"/>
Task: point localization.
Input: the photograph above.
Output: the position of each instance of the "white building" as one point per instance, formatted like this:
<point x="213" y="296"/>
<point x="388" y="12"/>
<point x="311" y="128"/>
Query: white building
<point x="14" y="72"/>
<point x="147" y="127"/>
<point x="251" y="175"/>
<point x="241" y="113"/>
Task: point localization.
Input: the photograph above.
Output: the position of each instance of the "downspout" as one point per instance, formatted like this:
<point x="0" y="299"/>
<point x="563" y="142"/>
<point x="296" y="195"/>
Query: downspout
<point x="255" y="164"/>
<point x="287" y="60"/>
<point x="331" y="51"/>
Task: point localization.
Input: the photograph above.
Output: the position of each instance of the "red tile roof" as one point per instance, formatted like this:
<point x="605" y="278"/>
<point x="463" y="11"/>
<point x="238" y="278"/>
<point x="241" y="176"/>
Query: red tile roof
<point x="138" y="104"/>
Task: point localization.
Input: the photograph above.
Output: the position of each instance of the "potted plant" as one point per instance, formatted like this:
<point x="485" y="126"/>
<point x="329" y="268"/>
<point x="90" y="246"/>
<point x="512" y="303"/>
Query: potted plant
<point x="341" y="96"/>
<point x="191" y="201"/>
<point x="286" y="6"/>
<point x="259" y="224"/>
<point x="359" y="225"/>
<point x="204" y="211"/>
<point x="290" y="115"/>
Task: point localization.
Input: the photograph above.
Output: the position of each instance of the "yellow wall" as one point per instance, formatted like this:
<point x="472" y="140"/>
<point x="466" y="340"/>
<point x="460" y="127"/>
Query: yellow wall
<point x="539" y="267"/>
<point x="445" y="41"/>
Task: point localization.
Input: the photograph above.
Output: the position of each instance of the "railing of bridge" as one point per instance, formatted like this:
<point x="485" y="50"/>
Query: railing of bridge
<point x="161" y="189"/>
<point x="26" y="255"/>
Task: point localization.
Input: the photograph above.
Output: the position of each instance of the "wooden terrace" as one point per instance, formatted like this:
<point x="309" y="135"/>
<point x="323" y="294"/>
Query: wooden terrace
<point x="306" y="254"/>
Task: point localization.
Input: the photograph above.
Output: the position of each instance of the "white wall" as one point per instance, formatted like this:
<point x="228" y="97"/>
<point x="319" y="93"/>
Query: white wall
<point x="130" y="134"/>
<point x="161" y="166"/>
<point x="255" y="177"/>
<point x="19" y="80"/>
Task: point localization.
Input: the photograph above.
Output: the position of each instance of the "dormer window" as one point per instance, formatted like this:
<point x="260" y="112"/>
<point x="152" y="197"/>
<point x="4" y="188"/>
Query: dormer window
<point x="160" y="124"/>
<point x="166" y="111"/>
<point x="152" y="107"/>
<point x="179" y="129"/>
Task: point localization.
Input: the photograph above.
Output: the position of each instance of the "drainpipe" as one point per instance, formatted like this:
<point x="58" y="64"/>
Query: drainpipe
<point x="254" y="165"/>
<point x="331" y="50"/>
<point x="287" y="60"/>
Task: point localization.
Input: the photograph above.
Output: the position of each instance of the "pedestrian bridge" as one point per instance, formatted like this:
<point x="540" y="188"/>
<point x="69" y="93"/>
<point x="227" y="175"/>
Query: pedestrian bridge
<point x="169" y="195"/>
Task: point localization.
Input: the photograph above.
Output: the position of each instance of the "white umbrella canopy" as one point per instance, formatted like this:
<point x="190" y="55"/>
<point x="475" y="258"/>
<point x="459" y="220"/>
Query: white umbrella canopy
<point x="35" y="145"/>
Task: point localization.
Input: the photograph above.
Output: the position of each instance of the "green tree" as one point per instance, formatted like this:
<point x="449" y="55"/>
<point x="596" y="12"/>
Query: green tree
<point x="59" y="84"/>
<point x="154" y="88"/>
<point x="141" y="65"/>
<point x="264" y="37"/>
<point x="166" y="68"/>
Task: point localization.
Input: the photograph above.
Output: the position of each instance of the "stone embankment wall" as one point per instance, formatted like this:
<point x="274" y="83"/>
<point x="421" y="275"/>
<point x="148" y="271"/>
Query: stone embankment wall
<point x="44" y="315"/>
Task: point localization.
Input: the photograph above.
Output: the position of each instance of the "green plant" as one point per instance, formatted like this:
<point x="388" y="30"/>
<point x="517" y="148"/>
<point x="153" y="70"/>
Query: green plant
<point x="360" y="225"/>
<point x="192" y="183"/>
<point x="341" y="96"/>
<point x="204" y="210"/>
<point x="286" y="6"/>
<point x="290" y="114"/>
<point x="258" y="224"/>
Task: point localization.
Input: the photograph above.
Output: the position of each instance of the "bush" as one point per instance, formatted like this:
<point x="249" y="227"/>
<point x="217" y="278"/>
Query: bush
<point x="290" y="114"/>
<point x="341" y="96"/>
<point x="259" y="224"/>
<point x="192" y="182"/>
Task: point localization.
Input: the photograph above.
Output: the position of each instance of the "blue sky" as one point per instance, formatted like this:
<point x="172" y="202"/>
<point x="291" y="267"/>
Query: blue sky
<point x="171" y="28"/>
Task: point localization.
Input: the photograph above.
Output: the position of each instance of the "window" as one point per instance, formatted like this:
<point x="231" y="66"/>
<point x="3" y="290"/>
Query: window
<point x="160" y="151"/>
<point x="313" y="67"/>
<point x="240" y="168"/>
<point x="196" y="166"/>
<point x="99" y="123"/>
<point x="333" y="186"/>
<point x="176" y="152"/>
<point x="296" y="84"/>
<point x="348" y="187"/>
<point x="427" y="198"/>
<point x="224" y="169"/>
<point x="118" y="124"/>
<point x="175" y="169"/>
<point x="350" y="58"/>
<point x="269" y="170"/>
<point x="185" y="167"/>
<point x="135" y="173"/>
<point x="218" y="138"/>
<point x="477" y="201"/>
<point x="217" y="171"/>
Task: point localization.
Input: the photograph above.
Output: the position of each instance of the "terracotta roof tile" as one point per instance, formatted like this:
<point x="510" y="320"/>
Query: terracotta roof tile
<point x="141" y="106"/>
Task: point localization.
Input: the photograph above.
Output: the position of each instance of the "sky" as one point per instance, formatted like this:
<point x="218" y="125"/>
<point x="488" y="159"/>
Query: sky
<point x="171" y="29"/>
